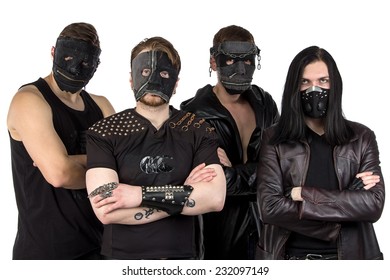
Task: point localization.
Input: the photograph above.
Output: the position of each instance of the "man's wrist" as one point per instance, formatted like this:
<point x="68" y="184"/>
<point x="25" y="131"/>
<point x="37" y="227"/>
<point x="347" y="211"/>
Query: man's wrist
<point x="168" y="198"/>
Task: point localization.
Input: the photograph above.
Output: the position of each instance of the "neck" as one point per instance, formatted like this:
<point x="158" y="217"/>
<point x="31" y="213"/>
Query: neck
<point x="73" y="101"/>
<point x="224" y="97"/>
<point x="317" y="125"/>
<point x="157" y="115"/>
<point x="60" y="93"/>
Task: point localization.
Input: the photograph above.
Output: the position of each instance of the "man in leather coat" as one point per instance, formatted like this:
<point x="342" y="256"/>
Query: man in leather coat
<point x="240" y="112"/>
<point x="319" y="177"/>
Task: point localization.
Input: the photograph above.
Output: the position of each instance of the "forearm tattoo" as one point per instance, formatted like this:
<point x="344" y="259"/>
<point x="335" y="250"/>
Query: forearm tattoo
<point x="148" y="212"/>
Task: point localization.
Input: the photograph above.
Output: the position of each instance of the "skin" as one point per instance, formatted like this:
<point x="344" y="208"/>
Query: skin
<point x="316" y="74"/>
<point x="30" y="120"/>
<point x="241" y="111"/>
<point x="123" y="207"/>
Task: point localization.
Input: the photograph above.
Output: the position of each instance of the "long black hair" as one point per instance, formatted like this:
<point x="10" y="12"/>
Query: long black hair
<point x="291" y="125"/>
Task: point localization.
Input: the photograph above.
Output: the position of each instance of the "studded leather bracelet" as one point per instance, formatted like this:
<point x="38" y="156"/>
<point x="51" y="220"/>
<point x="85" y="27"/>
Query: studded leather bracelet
<point x="168" y="198"/>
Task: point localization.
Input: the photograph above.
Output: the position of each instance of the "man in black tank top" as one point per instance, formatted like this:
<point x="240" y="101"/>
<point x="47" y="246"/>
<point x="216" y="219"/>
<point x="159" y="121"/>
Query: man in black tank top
<point x="47" y="121"/>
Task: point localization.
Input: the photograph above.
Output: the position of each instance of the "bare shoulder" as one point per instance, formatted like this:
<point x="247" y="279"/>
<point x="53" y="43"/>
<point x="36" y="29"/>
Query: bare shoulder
<point x="104" y="104"/>
<point x="28" y="108"/>
<point x="27" y="98"/>
<point x="28" y="92"/>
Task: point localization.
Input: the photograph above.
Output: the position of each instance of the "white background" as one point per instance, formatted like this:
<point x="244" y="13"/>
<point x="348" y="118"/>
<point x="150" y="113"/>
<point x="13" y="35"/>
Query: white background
<point x="356" y="33"/>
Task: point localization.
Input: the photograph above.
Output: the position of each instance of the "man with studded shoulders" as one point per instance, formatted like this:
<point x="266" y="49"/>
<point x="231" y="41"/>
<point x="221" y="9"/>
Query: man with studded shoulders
<point x="153" y="169"/>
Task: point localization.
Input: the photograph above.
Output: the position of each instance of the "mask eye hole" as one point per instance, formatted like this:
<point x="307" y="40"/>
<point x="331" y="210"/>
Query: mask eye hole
<point x="164" y="74"/>
<point x="146" y="72"/>
<point x="229" y="61"/>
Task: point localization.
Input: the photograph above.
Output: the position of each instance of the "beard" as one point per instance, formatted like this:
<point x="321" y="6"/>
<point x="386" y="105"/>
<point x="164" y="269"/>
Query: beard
<point x="152" y="100"/>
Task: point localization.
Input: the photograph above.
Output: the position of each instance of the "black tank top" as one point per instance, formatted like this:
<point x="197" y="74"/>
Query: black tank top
<point x="55" y="223"/>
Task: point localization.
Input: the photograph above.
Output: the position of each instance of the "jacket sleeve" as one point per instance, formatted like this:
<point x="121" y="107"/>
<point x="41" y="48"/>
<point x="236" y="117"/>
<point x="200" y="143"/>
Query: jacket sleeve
<point x="276" y="207"/>
<point x="349" y="204"/>
<point x="241" y="179"/>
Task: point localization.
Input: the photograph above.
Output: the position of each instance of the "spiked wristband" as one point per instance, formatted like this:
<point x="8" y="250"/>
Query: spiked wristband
<point x="168" y="198"/>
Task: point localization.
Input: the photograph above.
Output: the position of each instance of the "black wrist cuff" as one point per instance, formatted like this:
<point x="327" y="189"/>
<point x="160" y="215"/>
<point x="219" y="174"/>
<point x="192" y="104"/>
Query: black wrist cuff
<point x="168" y="198"/>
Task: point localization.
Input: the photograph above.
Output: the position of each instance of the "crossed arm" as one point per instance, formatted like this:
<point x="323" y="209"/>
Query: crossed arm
<point x="368" y="179"/>
<point x="30" y="120"/>
<point x="123" y="206"/>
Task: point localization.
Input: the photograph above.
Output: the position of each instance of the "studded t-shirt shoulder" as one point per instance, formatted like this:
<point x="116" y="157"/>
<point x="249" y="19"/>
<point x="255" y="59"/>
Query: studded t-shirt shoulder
<point x="123" y="123"/>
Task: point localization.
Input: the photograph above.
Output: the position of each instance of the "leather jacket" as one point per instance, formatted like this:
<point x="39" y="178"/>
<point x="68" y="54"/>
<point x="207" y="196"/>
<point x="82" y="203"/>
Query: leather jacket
<point x="345" y="216"/>
<point x="227" y="232"/>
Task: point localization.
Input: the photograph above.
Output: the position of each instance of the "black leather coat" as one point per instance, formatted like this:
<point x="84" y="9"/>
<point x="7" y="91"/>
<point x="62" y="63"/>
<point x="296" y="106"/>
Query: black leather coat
<point x="227" y="233"/>
<point x="346" y="215"/>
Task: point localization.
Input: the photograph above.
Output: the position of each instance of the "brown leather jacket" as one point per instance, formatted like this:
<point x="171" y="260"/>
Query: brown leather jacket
<point x="346" y="215"/>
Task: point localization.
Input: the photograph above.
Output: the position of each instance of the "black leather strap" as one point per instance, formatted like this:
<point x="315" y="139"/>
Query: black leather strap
<point x="168" y="198"/>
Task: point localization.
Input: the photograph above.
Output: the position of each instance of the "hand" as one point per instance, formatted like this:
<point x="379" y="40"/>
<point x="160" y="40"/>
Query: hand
<point x="200" y="174"/>
<point x="369" y="179"/>
<point x="124" y="196"/>
<point x="223" y="158"/>
<point x="296" y="194"/>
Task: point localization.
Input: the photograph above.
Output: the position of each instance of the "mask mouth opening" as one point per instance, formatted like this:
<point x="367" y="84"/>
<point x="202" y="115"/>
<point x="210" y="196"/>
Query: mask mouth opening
<point x="61" y="72"/>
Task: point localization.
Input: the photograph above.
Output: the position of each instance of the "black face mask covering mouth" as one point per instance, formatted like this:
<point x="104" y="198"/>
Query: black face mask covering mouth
<point x="235" y="77"/>
<point x="315" y="102"/>
<point x="74" y="64"/>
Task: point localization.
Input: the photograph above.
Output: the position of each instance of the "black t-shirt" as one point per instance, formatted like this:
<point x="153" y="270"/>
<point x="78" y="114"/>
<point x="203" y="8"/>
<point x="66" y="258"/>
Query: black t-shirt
<point x="320" y="174"/>
<point x="141" y="155"/>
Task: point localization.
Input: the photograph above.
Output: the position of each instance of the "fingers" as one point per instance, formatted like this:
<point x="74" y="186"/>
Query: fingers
<point x="196" y="169"/>
<point x="223" y="158"/>
<point x="111" y="208"/>
<point x="202" y="175"/>
<point x="369" y="186"/>
<point x="99" y="201"/>
<point x="369" y="179"/>
<point x="110" y="204"/>
<point x="363" y="174"/>
<point x="221" y="152"/>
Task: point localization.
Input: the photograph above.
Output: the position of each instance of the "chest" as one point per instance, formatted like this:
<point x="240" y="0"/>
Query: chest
<point x="154" y="158"/>
<point x="245" y="120"/>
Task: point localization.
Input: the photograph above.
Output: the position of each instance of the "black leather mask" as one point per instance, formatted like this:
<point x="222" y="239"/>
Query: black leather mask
<point x="75" y="62"/>
<point x="315" y="102"/>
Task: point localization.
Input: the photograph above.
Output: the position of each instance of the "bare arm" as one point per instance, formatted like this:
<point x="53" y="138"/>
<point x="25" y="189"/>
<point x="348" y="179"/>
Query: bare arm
<point x="104" y="104"/>
<point x="123" y="206"/>
<point x="208" y="196"/>
<point x="30" y="121"/>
